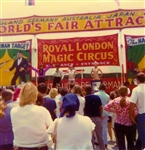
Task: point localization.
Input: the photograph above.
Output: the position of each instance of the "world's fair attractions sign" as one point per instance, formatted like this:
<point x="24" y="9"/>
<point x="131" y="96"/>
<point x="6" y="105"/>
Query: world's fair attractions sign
<point x="79" y="51"/>
<point x="117" y="19"/>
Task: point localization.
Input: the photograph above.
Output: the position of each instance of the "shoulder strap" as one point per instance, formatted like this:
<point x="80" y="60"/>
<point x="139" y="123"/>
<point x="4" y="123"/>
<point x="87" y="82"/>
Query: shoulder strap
<point x="55" y="128"/>
<point x="55" y="134"/>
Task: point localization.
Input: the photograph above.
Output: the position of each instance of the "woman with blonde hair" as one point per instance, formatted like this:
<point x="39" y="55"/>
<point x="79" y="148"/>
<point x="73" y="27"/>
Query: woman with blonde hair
<point x="79" y="92"/>
<point x="53" y="93"/>
<point x="123" y="123"/>
<point x="6" y="133"/>
<point x="30" y="121"/>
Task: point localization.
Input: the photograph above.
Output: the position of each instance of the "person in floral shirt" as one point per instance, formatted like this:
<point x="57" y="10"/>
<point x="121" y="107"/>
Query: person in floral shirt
<point x="123" y="123"/>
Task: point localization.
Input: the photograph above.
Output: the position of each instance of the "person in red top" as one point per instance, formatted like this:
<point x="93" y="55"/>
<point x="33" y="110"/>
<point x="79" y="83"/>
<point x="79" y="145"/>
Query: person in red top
<point x="123" y="123"/>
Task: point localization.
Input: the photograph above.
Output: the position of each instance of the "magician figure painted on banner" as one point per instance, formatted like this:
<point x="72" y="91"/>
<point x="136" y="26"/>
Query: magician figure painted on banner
<point x="20" y="64"/>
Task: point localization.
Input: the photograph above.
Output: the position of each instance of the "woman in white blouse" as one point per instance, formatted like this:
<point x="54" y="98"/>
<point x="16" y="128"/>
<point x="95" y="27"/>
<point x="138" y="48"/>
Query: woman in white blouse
<point x="29" y="121"/>
<point x="74" y="132"/>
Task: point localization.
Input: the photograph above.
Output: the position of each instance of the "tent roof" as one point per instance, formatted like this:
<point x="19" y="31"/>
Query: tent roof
<point x="17" y="8"/>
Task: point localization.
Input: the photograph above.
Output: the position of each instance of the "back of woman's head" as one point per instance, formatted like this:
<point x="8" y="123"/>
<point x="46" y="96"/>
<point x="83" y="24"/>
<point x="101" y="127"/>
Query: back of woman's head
<point x="28" y="94"/>
<point x="77" y="90"/>
<point x="6" y="95"/>
<point x="70" y="105"/>
<point x="63" y="91"/>
<point x="53" y="93"/>
<point x="123" y="91"/>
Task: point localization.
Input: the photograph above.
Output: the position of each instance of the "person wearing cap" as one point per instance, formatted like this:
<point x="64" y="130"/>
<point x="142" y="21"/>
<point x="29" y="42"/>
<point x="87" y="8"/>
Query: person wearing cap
<point x="41" y="72"/>
<point x="73" y="131"/>
<point x="57" y="76"/>
<point x="95" y="72"/>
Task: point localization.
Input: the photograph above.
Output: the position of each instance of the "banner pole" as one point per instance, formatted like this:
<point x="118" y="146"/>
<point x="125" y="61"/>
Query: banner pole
<point x="124" y="60"/>
<point x="36" y="62"/>
<point x="122" y="74"/>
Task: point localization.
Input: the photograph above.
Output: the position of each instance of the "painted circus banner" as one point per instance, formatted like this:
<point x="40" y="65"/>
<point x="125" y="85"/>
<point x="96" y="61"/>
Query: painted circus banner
<point x="117" y="19"/>
<point x="135" y="55"/>
<point x="14" y="59"/>
<point x="79" y="51"/>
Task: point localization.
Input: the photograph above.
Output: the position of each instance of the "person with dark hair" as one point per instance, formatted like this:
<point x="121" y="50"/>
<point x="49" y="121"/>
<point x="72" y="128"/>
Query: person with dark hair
<point x="79" y="92"/>
<point x="63" y="92"/>
<point x="40" y="100"/>
<point x="49" y="103"/>
<point x="127" y="85"/>
<point x="72" y="127"/>
<point x="57" y="77"/>
<point x="112" y="95"/>
<point x="42" y="88"/>
<point x="138" y="100"/>
<point x="21" y="65"/>
<point x="111" y="119"/>
<point x="41" y="72"/>
<point x="123" y="123"/>
<point x="6" y="133"/>
<point x="104" y="99"/>
<point x="93" y="109"/>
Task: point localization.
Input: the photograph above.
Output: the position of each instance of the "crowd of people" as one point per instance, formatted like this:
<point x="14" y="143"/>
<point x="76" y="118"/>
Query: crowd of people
<point x="39" y="118"/>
